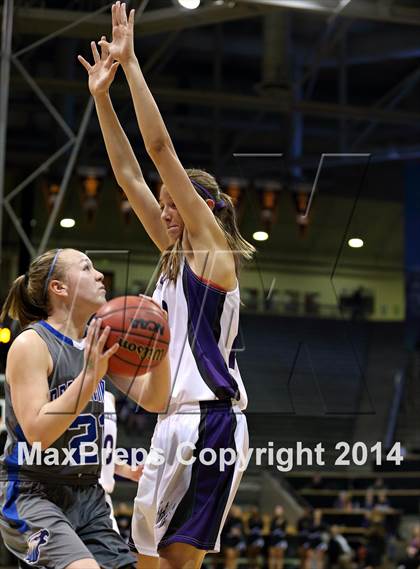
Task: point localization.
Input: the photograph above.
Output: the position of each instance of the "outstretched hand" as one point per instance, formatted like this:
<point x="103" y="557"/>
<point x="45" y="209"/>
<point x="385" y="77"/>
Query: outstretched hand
<point x="121" y="48"/>
<point x="102" y="72"/>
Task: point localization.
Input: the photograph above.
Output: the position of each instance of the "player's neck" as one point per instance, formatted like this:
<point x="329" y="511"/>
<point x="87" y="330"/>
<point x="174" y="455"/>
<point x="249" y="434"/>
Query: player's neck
<point x="186" y="245"/>
<point x="72" y="327"/>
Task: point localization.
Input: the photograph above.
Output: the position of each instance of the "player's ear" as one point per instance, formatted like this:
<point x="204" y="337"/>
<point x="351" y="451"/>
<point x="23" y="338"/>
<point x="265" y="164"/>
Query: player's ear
<point x="58" y="287"/>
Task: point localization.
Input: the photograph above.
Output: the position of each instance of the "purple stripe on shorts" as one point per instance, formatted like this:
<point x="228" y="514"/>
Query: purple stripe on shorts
<point x="205" y="307"/>
<point x="197" y="519"/>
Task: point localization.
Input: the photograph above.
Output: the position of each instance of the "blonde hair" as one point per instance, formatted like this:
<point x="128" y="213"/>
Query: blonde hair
<point x="28" y="299"/>
<point x="226" y="218"/>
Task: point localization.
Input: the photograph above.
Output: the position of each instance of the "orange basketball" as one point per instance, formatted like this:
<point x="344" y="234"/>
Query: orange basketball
<point x="141" y="329"/>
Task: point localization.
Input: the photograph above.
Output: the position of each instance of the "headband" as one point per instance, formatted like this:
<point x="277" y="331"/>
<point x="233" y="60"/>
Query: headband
<point x="50" y="272"/>
<point x="218" y="204"/>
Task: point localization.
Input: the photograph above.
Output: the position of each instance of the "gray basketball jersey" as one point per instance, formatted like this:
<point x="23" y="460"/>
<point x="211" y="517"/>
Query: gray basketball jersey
<point x="74" y="458"/>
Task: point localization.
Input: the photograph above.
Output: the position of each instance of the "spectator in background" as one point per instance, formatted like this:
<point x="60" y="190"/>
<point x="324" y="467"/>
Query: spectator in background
<point x="376" y="540"/>
<point x="314" y="546"/>
<point x="344" y="501"/>
<point x="412" y="560"/>
<point x="255" y="537"/>
<point x="316" y="483"/>
<point x="340" y="554"/>
<point x="379" y="484"/>
<point x="277" y="539"/>
<point x="369" y="502"/>
<point x="382" y="502"/>
<point x="233" y="537"/>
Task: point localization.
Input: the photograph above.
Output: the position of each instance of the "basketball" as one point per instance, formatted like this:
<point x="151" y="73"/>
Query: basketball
<point x="141" y="329"/>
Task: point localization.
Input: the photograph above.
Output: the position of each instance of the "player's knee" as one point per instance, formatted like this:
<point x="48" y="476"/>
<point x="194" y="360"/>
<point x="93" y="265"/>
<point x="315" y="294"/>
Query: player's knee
<point x="83" y="564"/>
<point x="180" y="555"/>
<point x="147" y="562"/>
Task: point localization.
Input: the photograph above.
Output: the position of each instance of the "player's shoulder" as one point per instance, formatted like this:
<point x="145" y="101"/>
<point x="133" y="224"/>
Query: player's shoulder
<point x="28" y="342"/>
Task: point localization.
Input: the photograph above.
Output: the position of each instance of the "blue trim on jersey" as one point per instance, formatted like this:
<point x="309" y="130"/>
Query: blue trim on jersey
<point x="9" y="510"/>
<point x="56" y="333"/>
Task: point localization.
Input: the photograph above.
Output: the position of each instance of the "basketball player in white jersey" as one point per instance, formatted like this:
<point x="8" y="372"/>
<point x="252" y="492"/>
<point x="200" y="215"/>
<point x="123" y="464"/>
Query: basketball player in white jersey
<point x="180" y="508"/>
<point x="109" y="467"/>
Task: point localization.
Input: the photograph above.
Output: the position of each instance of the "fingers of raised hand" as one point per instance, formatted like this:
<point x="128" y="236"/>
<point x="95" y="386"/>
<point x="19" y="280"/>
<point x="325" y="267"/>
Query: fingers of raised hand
<point x="104" y="48"/>
<point x="108" y="62"/>
<point x="95" y="51"/>
<point x="113" y="69"/>
<point x="85" y="63"/>
<point x="123" y="14"/>
<point x="114" y="15"/>
<point x="117" y="14"/>
<point x="131" y="18"/>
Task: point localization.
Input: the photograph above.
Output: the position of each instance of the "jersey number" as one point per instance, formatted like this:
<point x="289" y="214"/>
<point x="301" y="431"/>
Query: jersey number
<point x="86" y="440"/>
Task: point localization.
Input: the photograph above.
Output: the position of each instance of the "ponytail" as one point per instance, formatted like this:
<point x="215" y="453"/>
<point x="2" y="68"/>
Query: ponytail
<point x="28" y="299"/>
<point x="19" y="305"/>
<point x="226" y="218"/>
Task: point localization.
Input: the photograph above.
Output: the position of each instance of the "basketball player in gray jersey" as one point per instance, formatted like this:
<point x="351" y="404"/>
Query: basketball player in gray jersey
<point x="53" y="512"/>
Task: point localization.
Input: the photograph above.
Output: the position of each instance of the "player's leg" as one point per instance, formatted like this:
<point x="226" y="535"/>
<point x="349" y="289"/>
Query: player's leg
<point x="90" y="513"/>
<point x="36" y="530"/>
<point x="180" y="555"/>
<point x="147" y="562"/>
<point x="83" y="564"/>
<point x="192" y="511"/>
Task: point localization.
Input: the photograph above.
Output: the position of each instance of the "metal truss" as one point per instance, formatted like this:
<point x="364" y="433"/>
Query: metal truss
<point x="73" y="143"/>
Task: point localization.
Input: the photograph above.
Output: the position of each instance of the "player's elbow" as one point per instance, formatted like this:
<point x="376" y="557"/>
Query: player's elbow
<point x="156" y="147"/>
<point x="34" y="438"/>
<point x="153" y="402"/>
<point x="152" y="405"/>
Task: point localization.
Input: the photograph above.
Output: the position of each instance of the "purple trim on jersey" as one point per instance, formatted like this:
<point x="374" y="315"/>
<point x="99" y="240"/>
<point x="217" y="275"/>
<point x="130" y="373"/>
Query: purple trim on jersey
<point x="198" y="517"/>
<point x="205" y="307"/>
<point x="232" y="355"/>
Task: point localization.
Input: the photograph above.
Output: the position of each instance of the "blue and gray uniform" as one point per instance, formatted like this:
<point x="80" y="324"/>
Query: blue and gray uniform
<point x="52" y="509"/>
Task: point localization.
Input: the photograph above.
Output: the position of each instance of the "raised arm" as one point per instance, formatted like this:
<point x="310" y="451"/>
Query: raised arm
<point x="124" y="164"/>
<point x="197" y="216"/>
<point x="28" y="366"/>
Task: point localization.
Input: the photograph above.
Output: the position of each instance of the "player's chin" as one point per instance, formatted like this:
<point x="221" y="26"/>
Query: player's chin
<point x="174" y="233"/>
<point x="100" y="299"/>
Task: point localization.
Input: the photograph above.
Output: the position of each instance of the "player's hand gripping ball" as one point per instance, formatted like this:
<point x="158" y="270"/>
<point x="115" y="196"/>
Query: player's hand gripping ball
<point x="141" y="329"/>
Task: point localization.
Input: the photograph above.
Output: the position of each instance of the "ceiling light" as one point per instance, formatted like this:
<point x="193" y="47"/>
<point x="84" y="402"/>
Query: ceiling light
<point x="189" y="4"/>
<point x="67" y="222"/>
<point x="355" y="243"/>
<point x="260" y="236"/>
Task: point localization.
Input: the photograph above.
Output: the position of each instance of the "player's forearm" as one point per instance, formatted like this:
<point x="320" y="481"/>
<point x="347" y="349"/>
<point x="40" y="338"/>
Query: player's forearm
<point x="126" y="471"/>
<point x="151" y="390"/>
<point x="157" y="388"/>
<point x="152" y="127"/>
<point x="56" y="416"/>
<point x="123" y="161"/>
<point x="131" y="388"/>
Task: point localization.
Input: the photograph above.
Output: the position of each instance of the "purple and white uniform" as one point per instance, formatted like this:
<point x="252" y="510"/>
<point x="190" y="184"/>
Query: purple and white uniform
<point x="188" y="503"/>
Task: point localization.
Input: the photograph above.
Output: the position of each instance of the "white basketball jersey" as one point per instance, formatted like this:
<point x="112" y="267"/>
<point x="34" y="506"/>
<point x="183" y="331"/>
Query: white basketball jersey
<point x="110" y="440"/>
<point x="204" y="322"/>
